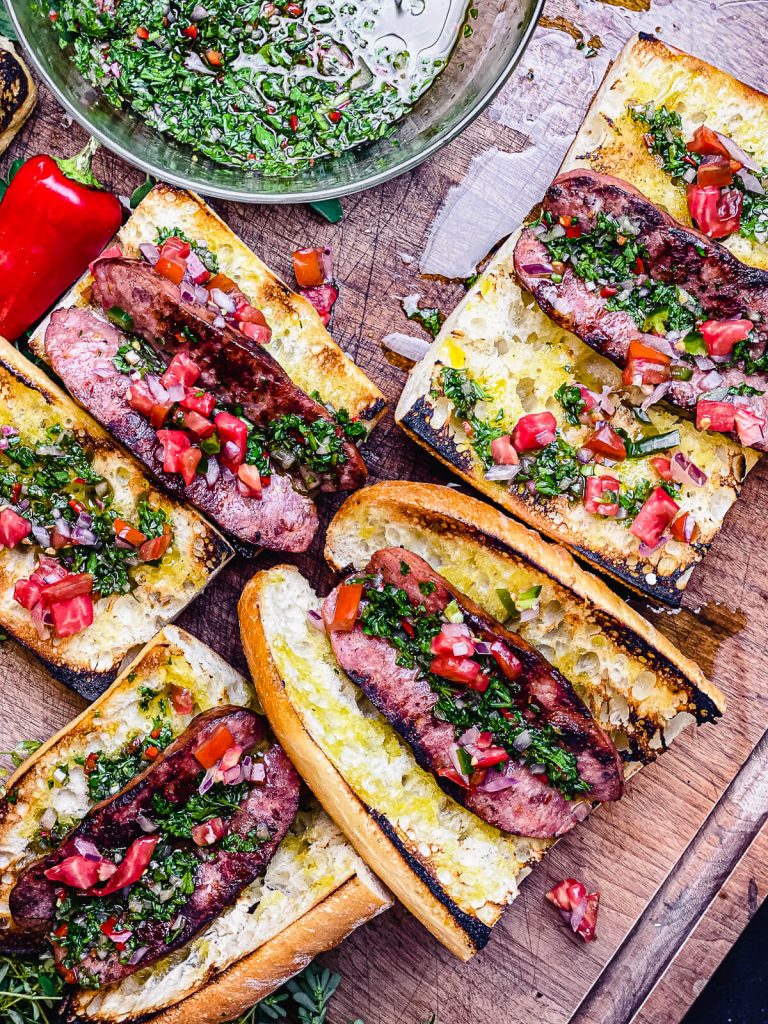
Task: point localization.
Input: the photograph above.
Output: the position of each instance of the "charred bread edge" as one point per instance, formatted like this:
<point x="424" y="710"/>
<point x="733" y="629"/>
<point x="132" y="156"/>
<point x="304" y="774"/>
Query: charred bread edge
<point x="474" y="515"/>
<point x="21" y="114"/>
<point x="424" y="899"/>
<point x="89" y="682"/>
<point x="253" y="977"/>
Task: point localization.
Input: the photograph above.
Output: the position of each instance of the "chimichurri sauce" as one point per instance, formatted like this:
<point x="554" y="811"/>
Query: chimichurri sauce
<point x="273" y="85"/>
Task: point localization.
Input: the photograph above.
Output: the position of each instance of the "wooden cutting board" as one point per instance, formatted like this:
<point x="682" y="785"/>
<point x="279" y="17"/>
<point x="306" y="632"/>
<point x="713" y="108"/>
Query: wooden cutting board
<point x="682" y="861"/>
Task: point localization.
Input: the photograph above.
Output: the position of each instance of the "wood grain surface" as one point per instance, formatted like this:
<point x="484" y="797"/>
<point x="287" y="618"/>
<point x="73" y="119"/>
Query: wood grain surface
<point x="681" y="861"/>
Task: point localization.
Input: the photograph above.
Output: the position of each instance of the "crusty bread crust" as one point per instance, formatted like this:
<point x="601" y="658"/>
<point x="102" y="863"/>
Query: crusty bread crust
<point x="16" y="84"/>
<point x="333" y="792"/>
<point x="404" y="499"/>
<point x="255" y="976"/>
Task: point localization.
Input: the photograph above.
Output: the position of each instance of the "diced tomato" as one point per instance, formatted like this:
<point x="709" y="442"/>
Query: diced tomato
<point x="639" y="350"/>
<point x="607" y="291"/>
<point x="490" y="757"/>
<point x="182" y="369"/>
<point x="72" y="585"/>
<point x="250" y="315"/>
<point x="503" y="452"/>
<point x="128" y="533"/>
<point x="567" y="895"/>
<point x="211" y="750"/>
<point x="198" y="424"/>
<point x="140" y="397"/>
<point x="308" y="267"/>
<point x="175" y="443"/>
<point x="721" y="335"/>
<point x="190" y="31"/>
<point x="682" y="525"/>
<point x="607" y="442"/>
<point x="142" y="32"/>
<point x="347" y="607"/>
<point x="536" y="430"/>
<point x="13" y="528"/>
<point x="707" y="143"/>
<point x="171" y="268"/>
<point x="156" y="547"/>
<point x="71" y="615"/>
<point x="715" y="211"/>
<point x="201" y="402"/>
<point x="159" y="414"/>
<point x="80" y="872"/>
<point x="232" y="430"/>
<point x="573" y="231"/>
<point x="250" y="479"/>
<point x="595" y="491"/>
<point x="223" y="283"/>
<point x="15" y="492"/>
<point x="90" y="762"/>
<point x="460" y="670"/>
<point x="181" y="699"/>
<point x="662" y="466"/>
<point x="716" y="170"/>
<point x="213" y="57"/>
<point x="174" y="247"/>
<point x="117" y="935"/>
<point x="208" y="832"/>
<point x="509" y="664"/>
<point x="323" y="299"/>
<point x="645" y="365"/>
<point x="189" y="461"/>
<point x="654" y="517"/>
<point x="27" y="593"/>
<point x="256" y="332"/>
<point x="459" y="644"/>
<point x="714" y="415"/>
<point x="151" y="752"/>
<point x="453" y="776"/>
<point x="131" y="867"/>
<point x="587" y="397"/>
<point x="749" y="426"/>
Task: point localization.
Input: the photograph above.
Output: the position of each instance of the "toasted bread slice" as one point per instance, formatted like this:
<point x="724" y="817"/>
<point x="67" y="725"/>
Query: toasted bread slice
<point x="520" y="357"/>
<point x="452" y="870"/>
<point x="315" y="890"/>
<point x="650" y="71"/>
<point x="90" y="660"/>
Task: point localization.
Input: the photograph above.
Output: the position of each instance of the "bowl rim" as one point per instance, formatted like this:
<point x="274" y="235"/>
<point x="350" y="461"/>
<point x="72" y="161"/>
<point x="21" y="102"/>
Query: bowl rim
<point x="274" y="198"/>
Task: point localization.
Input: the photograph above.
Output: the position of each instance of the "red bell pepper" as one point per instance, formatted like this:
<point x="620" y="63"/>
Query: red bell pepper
<point x="721" y="335"/>
<point x="607" y="442"/>
<point x="509" y="663"/>
<point x="597" y="490"/>
<point x="211" y="750"/>
<point x="654" y="517"/>
<point x="55" y="219"/>
<point x="80" y="872"/>
<point x="347" y="607"/>
<point x="156" y="547"/>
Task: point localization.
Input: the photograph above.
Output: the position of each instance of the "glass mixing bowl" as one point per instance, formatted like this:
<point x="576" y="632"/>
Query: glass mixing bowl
<point x="478" y="67"/>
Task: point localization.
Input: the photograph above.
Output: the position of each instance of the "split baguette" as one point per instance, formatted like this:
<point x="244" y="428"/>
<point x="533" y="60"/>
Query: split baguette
<point x="315" y="890"/>
<point x="454" y="872"/>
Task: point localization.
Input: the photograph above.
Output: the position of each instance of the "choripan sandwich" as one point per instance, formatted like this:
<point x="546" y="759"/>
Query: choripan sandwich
<point x="552" y="407"/>
<point x="224" y="382"/>
<point x="93" y="558"/>
<point x="462" y="697"/>
<point x="161" y="847"/>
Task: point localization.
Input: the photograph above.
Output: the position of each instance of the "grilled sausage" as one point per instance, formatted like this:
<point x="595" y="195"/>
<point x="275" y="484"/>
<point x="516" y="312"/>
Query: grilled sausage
<point x="235" y="369"/>
<point x="266" y="808"/>
<point x="726" y="288"/>
<point x="532" y="806"/>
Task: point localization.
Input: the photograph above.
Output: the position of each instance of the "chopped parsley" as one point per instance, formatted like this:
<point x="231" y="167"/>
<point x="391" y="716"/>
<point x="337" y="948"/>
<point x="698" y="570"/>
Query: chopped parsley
<point x="744" y="390"/>
<point x="209" y="259"/>
<point x="178" y="820"/>
<point x="658" y="308"/>
<point x="107" y="775"/>
<point x="664" y="138"/>
<point x="572" y="401"/>
<point x="431" y="319"/>
<point x="554" y="469"/>
<point x="137" y="356"/>
<point x="606" y="253"/>
<point x="382" y="616"/>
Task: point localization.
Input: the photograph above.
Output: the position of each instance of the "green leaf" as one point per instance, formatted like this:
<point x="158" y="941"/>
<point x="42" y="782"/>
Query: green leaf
<point x="143" y="190"/>
<point x="330" y="209"/>
<point x="6" y="25"/>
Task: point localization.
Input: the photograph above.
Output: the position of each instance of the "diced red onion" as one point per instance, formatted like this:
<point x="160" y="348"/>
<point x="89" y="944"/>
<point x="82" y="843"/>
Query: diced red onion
<point x="712" y="380"/>
<point x="219" y="322"/>
<point x="150" y="252"/>
<point x="646" y="550"/>
<point x="577" y="914"/>
<point x="522" y="741"/>
<point x="537" y="769"/>
<point x="156" y="389"/>
<point x="470" y="736"/>
<point x="176" y="392"/>
<point x="497" y="781"/>
<point x="256" y="772"/>
<point x="84" y="537"/>
<point x="213" y="472"/>
<point x="230" y="450"/>
<point x="3" y="444"/>
<point x="51" y="449"/>
<point x="537" y="269"/>
<point x="48" y="818"/>
<point x="233" y="775"/>
<point x="751" y="182"/>
<point x="581" y="810"/>
<point x="481" y="647"/>
<point x="703" y="363"/>
<point x="528" y="614"/>
<point x="455" y="629"/>
<point x="88" y="849"/>
<point x="207" y="782"/>
<point x="187" y="291"/>
<point x="222" y="300"/>
<point x="686" y="472"/>
<point x="9" y="431"/>
<point x="660" y="343"/>
<point x="138" y="954"/>
<point x="689" y="175"/>
<point x="42" y="536"/>
<point x="315" y="619"/>
<point x="498" y="474"/>
<point x="145" y="824"/>
<point x="585" y="455"/>
<point x="405" y="345"/>
<point x="737" y="153"/>
<point x="195" y="267"/>
<point x="454" y="752"/>
<point x="656" y="395"/>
